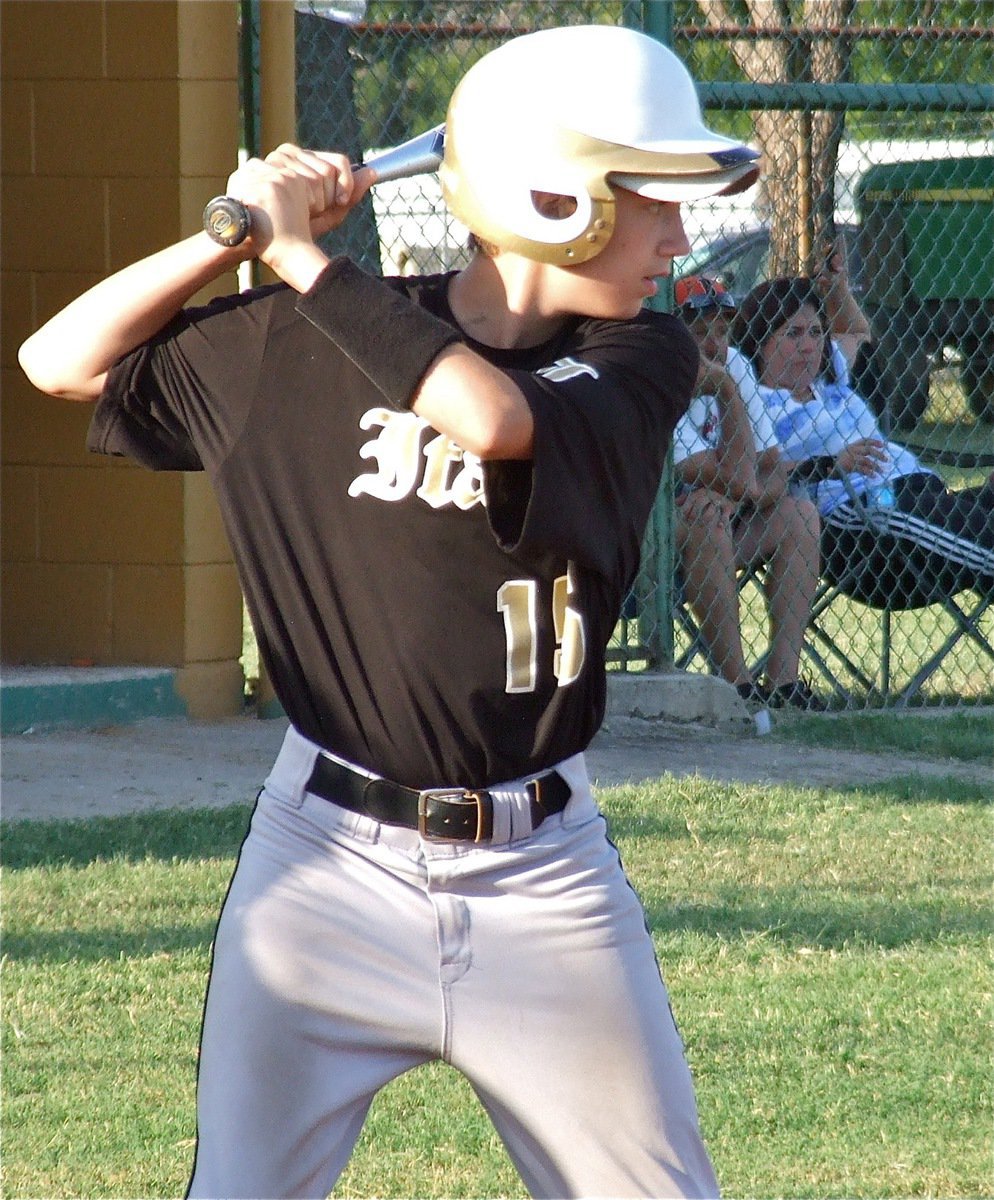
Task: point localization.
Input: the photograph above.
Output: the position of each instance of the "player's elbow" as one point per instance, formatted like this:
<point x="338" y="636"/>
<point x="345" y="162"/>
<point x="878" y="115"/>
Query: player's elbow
<point x="48" y="375"/>
<point x="507" y="435"/>
<point x="32" y="362"/>
<point x="476" y="405"/>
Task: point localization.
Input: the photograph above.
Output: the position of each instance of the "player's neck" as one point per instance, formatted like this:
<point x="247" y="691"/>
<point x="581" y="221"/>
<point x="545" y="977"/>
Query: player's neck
<point x="498" y="302"/>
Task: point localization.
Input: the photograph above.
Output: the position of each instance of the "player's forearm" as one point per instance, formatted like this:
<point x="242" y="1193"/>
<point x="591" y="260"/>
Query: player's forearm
<point x="478" y="406"/>
<point x="735" y="454"/>
<point x="70" y="355"/>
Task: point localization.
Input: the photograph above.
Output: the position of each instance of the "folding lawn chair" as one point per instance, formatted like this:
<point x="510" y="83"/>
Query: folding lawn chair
<point x="827" y="656"/>
<point x="965" y="610"/>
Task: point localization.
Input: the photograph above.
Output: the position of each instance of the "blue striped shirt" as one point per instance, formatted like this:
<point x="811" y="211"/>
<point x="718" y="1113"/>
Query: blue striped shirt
<point x="835" y="417"/>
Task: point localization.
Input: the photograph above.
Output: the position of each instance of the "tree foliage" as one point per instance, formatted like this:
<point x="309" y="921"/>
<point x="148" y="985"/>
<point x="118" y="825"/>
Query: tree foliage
<point x="415" y="51"/>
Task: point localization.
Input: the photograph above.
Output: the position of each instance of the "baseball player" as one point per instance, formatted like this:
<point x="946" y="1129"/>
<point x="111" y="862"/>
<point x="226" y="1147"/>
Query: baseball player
<point x="735" y="507"/>
<point x="436" y="490"/>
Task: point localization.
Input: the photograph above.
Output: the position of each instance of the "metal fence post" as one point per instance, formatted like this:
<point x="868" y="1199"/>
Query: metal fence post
<point x="326" y="117"/>
<point x="656" y="625"/>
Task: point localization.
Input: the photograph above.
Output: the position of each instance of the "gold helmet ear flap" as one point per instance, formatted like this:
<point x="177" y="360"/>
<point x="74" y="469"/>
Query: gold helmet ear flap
<point x="521" y="227"/>
<point x="574" y="250"/>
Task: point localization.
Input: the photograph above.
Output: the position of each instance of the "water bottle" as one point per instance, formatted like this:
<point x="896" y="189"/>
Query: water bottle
<point x="881" y="495"/>
<point x="878" y="498"/>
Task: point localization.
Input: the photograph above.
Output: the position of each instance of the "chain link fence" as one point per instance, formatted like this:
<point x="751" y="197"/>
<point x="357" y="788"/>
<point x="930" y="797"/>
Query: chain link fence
<point x="876" y="123"/>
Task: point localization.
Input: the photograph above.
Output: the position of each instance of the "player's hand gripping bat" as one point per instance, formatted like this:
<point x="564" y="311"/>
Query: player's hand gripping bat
<point x="229" y="222"/>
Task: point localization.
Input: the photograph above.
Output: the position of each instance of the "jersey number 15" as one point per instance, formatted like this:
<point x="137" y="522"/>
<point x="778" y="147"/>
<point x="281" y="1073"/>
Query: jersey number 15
<point x="517" y="602"/>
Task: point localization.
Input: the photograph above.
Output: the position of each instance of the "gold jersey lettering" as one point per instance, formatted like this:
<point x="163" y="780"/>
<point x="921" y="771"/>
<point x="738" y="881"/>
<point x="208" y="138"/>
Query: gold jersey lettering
<point x="447" y="474"/>
<point x="517" y="602"/>
<point x="571" y="637"/>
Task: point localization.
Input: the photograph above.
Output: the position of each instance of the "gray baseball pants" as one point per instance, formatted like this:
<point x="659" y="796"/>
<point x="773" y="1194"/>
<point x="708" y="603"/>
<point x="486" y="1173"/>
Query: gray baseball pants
<point x="349" y="952"/>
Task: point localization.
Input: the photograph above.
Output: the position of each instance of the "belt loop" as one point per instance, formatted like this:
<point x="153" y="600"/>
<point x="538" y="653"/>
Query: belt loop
<point x="513" y="820"/>
<point x="294" y="764"/>
<point x="506" y="823"/>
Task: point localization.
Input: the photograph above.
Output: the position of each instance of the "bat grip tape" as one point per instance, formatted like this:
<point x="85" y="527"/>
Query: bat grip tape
<point x="390" y="339"/>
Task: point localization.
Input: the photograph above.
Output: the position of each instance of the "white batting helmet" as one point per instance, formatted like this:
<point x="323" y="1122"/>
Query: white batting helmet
<point x="571" y="111"/>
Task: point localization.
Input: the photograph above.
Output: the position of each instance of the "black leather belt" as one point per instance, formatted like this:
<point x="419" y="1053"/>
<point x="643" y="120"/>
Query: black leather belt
<point x="439" y="814"/>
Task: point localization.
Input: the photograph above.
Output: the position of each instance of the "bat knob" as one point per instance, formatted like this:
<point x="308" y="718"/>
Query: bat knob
<point x="227" y="221"/>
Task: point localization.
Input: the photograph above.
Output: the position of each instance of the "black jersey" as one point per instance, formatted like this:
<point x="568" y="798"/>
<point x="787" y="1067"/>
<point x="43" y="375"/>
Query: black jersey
<point x="434" y="619"/>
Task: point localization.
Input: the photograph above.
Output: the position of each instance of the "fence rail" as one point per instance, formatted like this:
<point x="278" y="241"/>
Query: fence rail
<point x="840" y="97"/>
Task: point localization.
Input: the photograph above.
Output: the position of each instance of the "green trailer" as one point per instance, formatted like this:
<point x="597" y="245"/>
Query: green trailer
<point x="927" y="247"/>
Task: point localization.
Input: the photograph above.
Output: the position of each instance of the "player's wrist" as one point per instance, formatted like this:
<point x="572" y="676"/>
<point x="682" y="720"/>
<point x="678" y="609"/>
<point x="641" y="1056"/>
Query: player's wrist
<point x="226" y="257"/>
<point x="299" y="263"/>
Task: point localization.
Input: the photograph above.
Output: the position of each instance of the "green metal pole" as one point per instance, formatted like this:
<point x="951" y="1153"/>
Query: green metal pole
<point x="656" y="612"/>
<point x="249" y="273"/>
<point x="248" y="59"/>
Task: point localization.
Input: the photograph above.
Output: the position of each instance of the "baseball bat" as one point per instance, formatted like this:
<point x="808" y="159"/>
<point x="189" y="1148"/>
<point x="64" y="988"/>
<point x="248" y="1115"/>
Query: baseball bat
<point x="229" y="222"/>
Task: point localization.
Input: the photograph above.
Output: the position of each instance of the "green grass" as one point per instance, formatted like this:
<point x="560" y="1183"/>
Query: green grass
<point x="963" y="736"/>
<point x="827" y="952"/>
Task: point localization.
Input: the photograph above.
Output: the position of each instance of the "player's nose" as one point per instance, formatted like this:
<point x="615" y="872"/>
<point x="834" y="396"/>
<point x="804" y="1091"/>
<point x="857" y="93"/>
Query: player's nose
<point x="673" y="240"/>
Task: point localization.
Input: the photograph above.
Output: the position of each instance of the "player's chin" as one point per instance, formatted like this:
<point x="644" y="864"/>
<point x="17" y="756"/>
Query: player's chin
<point x="633" y="310"/>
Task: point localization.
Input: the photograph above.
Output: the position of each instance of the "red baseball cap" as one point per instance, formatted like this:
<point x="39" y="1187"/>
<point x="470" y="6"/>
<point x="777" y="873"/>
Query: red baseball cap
<point x="695" y="294"/>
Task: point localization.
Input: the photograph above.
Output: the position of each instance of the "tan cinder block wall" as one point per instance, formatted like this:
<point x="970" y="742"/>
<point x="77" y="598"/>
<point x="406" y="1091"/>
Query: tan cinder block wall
<point x="119" y="120"/>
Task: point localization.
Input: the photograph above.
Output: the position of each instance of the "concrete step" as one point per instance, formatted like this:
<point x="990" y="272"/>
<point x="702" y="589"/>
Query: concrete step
<point x="35" y="698"/>
<point x="39" y="698"/>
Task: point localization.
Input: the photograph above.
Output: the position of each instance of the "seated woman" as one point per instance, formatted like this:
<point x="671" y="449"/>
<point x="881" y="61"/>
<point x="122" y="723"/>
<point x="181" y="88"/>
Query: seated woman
<point x="892" y="532"/>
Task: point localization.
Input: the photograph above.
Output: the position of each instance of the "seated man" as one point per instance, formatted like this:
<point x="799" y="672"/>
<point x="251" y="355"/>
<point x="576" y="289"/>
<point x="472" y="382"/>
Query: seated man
<point x="734" y="509"/>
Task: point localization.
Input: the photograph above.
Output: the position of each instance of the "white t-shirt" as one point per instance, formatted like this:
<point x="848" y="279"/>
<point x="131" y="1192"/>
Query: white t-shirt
<point x="699" y="428"/>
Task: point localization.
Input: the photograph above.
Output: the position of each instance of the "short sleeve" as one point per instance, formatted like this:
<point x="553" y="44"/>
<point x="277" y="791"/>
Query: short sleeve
<point x="134" y="419"/>
<point x="604" y="418"/>
<point x="696" y="430"/>
<point x="741" y="370"/>
<point x="177" y="402"/>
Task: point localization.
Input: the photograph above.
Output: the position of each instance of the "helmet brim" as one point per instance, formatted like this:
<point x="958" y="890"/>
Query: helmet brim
<point x="687" y="186"/>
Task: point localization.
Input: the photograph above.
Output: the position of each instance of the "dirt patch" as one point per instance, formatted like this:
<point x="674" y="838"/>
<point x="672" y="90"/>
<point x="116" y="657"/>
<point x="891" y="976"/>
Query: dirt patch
<point x="660" y="747"/>
<point x="164" y="763"/>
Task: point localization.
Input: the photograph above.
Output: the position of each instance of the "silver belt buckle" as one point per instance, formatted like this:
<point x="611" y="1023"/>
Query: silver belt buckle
<point x="460" y="797"/>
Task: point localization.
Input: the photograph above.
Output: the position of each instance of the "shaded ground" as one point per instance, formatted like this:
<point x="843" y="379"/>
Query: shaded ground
<point x="167" y="763"/>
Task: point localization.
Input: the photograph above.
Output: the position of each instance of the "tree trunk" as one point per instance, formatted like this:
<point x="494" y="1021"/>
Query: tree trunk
<point x="800" y="148"/>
